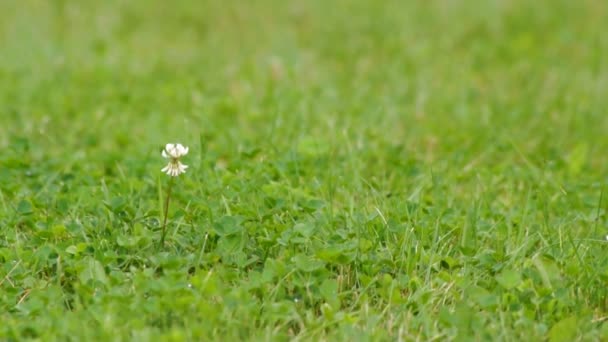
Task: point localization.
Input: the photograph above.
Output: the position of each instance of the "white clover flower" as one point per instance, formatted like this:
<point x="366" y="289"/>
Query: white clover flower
<point x="174" y="152"/>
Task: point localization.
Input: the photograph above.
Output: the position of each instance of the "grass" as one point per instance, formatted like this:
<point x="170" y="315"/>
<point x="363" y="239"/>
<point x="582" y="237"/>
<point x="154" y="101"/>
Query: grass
<point x="359" y="170"/>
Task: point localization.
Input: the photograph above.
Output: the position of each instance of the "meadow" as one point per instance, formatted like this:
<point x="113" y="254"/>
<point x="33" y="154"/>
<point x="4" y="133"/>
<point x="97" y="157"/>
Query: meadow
<point x="358" y="170"/>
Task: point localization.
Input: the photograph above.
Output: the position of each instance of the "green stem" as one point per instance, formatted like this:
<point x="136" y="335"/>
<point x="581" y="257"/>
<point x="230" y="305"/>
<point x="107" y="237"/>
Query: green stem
<point x="164" y="230"/>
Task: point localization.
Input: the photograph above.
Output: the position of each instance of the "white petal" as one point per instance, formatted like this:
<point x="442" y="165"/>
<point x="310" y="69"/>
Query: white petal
<point x="176" y="152"/>
<point x="164" y="154"/>
<point x="182" y="168"/>
<point x="185" y="151"/>
<point x="179" y="149"/>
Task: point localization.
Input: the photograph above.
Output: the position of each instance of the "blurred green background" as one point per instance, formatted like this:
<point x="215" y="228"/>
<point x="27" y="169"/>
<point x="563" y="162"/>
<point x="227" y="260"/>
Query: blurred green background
<point x="275" y="70"/>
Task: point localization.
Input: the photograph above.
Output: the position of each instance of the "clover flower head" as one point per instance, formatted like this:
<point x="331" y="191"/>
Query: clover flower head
<point x="174" y="152"/>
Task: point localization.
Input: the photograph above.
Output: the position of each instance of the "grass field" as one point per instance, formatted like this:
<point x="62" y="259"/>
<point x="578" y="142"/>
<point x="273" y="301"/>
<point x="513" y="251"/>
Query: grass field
<point x="358" y="170"/>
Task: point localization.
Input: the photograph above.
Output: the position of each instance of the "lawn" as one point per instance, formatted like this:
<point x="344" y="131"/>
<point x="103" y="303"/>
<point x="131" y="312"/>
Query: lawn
<point x="358" y="170"/>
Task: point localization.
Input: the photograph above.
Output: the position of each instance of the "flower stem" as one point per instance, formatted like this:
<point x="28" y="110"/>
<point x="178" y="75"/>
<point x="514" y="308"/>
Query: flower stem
<point x="167" y="200"/>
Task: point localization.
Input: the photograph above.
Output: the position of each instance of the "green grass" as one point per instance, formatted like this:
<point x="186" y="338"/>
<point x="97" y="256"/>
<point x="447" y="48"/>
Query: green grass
<point x="359" y="170"/>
